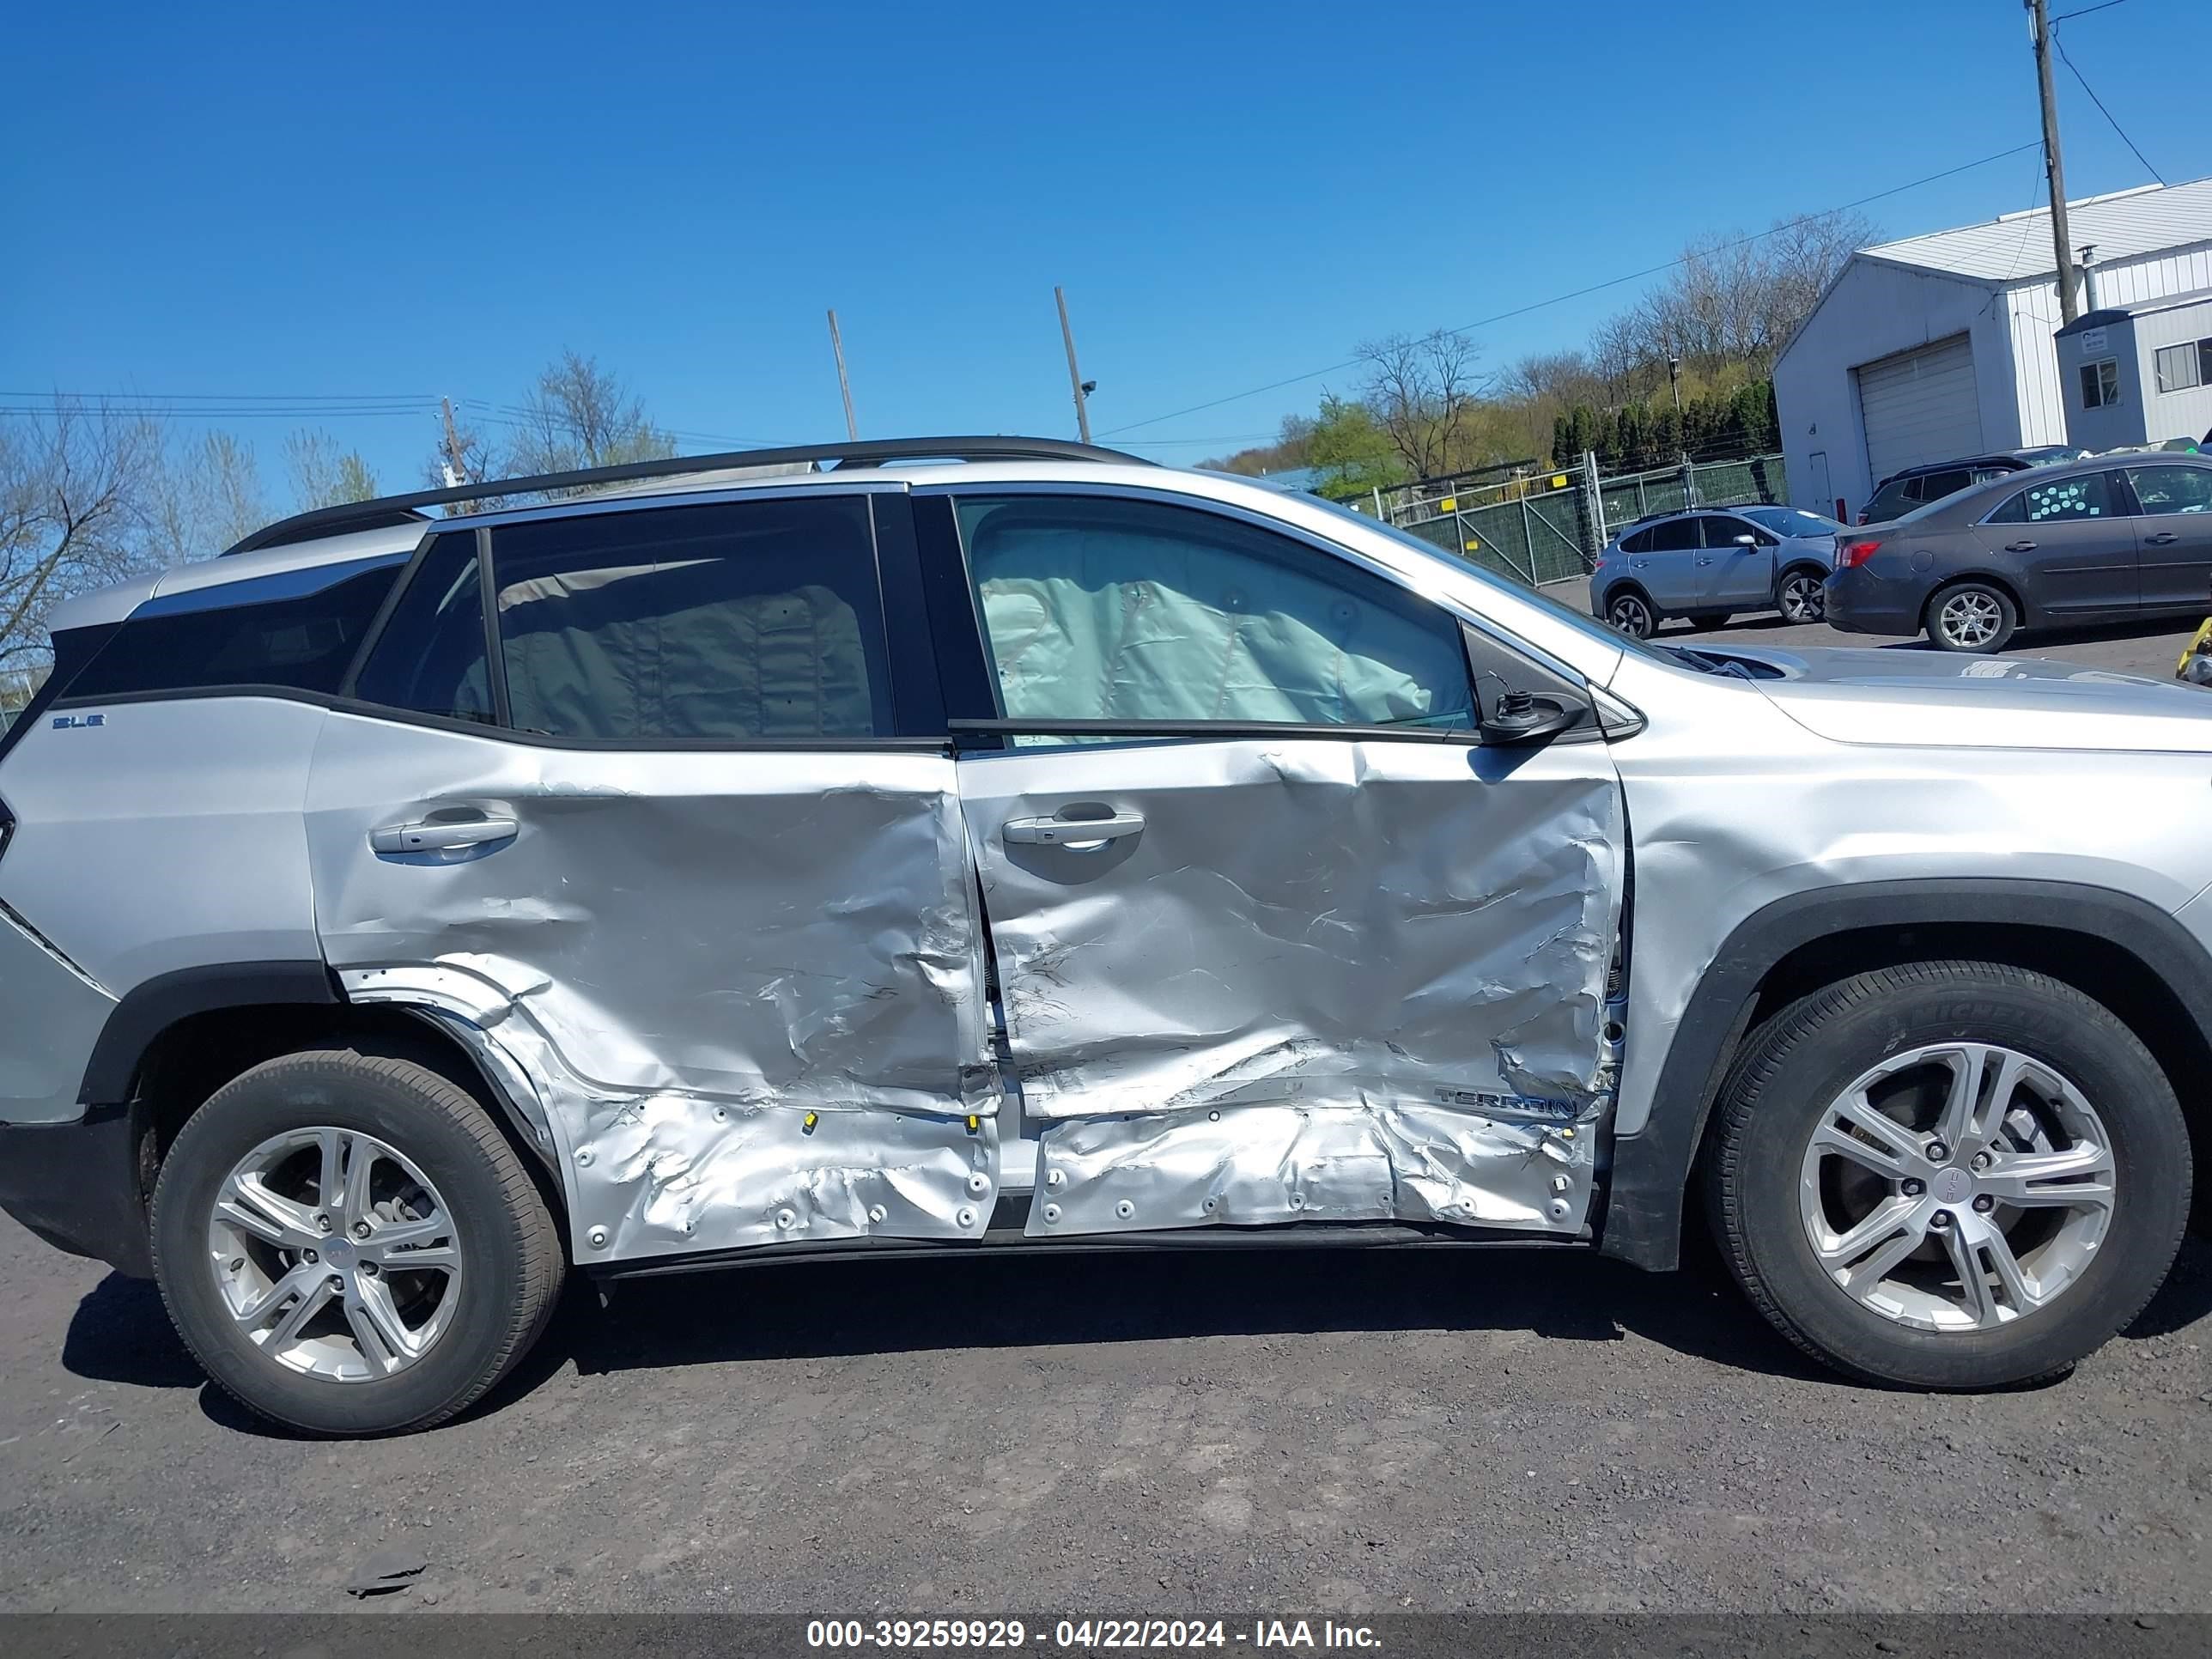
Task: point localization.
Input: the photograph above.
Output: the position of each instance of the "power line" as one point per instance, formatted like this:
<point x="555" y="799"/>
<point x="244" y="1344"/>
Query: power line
<point x="2063" y="16"/>
<point x="2099" y="102"/>
<point x="1582" y="292"/>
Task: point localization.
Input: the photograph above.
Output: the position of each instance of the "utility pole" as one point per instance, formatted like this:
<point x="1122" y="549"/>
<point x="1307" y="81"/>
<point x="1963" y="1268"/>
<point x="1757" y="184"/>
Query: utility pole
<point x="844" y="385"/>
<point x="2062" y="240"/>
<point x="1083" y="387"/>
<point x="454" y="477"/>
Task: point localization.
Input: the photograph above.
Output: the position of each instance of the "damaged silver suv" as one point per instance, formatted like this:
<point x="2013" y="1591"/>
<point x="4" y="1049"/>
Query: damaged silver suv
<point x="965" y="843"/>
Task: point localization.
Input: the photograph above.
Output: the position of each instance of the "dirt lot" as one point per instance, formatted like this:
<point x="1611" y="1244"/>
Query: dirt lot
<point x="1349" y="1432"/>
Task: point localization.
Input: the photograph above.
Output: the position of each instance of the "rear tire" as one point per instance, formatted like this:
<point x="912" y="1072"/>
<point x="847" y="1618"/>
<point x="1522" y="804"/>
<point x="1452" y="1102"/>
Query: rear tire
<point x="1628" y="611"/>
<point x="270" y="1161"/>
<point x="1823" y="1242"/>
<point x="1970" y="617"/>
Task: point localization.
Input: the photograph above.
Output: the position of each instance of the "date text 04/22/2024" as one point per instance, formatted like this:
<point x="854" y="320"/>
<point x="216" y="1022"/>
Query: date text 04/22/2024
<point x="1087" y="1634"/>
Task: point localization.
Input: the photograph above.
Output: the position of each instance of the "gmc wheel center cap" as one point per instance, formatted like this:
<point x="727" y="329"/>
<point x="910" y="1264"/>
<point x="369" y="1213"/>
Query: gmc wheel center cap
<point x="1953" y="1186"/>
<point x="338" y="1253"/>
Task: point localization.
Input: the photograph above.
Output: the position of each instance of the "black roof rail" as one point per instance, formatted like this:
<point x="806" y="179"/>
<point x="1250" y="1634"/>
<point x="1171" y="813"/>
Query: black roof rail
<point x="386" y="511"/>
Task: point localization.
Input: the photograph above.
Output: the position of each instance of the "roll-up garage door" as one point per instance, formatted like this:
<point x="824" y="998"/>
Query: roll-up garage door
<point x="1920" y="406"/>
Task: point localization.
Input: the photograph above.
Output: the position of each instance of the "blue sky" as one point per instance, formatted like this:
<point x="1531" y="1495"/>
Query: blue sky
<point x="217" y="199"/>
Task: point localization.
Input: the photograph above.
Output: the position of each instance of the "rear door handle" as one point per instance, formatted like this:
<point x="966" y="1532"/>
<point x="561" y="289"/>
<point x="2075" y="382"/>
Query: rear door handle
<point x="440" y="835"/>
<point x="1703" y="561"/>
<point x="2162" y="538"/>
<point x="2020" y="547"/>
<point x="1072" y="832"/>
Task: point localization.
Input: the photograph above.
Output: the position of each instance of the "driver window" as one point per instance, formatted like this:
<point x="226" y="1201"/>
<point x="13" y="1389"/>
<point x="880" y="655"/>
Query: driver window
<point x="1097" y="609"/>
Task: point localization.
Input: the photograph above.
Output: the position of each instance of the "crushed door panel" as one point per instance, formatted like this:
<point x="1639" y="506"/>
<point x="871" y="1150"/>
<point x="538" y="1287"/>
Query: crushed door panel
<point x="1303" y="977"/>
<point x="745" y="988"/>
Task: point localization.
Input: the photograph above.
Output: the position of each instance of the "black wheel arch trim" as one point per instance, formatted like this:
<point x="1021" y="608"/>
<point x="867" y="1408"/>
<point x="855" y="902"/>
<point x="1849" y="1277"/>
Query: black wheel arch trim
<point x="151" y="1008"/>
<point x="1649" y="1180"/>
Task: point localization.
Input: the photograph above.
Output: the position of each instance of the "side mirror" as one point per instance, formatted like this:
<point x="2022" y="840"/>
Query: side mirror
<point x="1746" y="541"/>
<point x="1520" y="718"/>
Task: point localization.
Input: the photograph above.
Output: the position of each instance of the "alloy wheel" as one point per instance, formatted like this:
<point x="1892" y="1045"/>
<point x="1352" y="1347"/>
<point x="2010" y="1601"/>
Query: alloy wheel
<point x="1630" y="615"/>
<point x="1957" y="1186"/>
<point x="1971" y="619"/>
<point x="335" y="1254"/>
<point x="1802" y="599"/>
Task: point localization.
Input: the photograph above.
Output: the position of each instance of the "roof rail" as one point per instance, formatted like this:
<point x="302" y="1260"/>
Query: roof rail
<point x="389" y="510"/>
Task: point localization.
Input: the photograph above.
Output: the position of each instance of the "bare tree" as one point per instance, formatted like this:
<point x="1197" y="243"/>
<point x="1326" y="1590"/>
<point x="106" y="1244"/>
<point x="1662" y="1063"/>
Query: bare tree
<point x="203" y="497"/>
<point x="578" y="414"/>
<point x="322" y="474"/>
<point x="1735" y="299"/>
<point x="1422" y="392"/>
<point x="73" y="485"/>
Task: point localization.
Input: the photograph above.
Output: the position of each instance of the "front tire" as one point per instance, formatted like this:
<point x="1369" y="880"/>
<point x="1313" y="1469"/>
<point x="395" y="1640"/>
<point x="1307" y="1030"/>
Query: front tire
<point x="1801" y="598"/>
<point x="349" y="1246"/>
<point x="1972" y="617"/>
<point x="1948" y="1175"/>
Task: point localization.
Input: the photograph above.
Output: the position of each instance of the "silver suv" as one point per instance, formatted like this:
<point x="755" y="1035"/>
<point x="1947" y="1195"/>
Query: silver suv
<point x="983" y="843"/>
<point x="1709" y="564"/>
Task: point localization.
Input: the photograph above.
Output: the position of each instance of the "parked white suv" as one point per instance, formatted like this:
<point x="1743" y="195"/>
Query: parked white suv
<point x="984" y="843"/>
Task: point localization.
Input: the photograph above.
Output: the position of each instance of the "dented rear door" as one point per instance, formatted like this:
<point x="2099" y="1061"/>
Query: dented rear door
<point x="664" y="860"/>
<point x="1276" y="939"/>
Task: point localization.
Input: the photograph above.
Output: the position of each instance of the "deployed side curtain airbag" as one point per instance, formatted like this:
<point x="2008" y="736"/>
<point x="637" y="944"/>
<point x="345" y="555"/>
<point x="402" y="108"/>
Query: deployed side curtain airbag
<point x="1120" y="620"/>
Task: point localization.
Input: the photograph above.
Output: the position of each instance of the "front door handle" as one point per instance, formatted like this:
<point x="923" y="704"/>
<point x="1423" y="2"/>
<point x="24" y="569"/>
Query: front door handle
<point x="2020" y="547"/>
<point x="2162" y="538"/>
<point x="440" y="835"/>
<point x="1072" y="832"/>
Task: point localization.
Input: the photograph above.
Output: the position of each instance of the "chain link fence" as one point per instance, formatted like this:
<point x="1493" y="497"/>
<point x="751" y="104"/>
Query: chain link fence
<point x="1551" y="526"/>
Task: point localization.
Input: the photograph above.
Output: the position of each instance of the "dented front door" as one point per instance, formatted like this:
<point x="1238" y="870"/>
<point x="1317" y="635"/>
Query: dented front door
<point x="1276" y="939"/>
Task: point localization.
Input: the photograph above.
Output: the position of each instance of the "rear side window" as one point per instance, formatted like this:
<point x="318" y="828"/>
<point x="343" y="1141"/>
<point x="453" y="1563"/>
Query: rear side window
<point x="297" y="629"/>
<point x="430" y="657"/>
<point x="1639" y="543"/>
<point x="726" y="622"/>
<point x="1889" y="501"/>
<point x="1934" y="486"/>
<point x="2085" y="496"/>
<point x="1673" y="536"/>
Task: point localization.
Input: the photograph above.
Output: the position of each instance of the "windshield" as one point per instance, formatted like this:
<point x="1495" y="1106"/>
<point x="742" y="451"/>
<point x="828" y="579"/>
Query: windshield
<point x="1788" y="520"/>
<point x="1580" y="620"/>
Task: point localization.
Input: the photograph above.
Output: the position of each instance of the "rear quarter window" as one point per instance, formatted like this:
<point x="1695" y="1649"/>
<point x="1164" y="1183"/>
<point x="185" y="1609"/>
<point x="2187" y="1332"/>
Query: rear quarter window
<point x="294" y="628"/>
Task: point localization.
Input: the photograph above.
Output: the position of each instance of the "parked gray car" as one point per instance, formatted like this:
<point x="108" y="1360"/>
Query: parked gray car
<point x="2095" y="541"/>
<point x="991" y="844"/>
<point x="1710" y="564"/>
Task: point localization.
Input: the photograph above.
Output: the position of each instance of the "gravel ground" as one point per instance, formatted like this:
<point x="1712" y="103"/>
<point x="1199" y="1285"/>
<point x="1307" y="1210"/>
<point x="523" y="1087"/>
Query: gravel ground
<point x="1356" y="1432"/>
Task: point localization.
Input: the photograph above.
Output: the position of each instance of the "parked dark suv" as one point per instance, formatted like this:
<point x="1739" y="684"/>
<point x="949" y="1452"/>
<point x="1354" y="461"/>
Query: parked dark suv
<point x="2089" y="541"/>
<point x="1917" y="487"/>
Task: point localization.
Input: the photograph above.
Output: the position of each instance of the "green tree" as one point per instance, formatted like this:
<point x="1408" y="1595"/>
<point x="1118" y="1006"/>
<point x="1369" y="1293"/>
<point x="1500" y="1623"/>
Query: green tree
<point x="1350" y="449"/>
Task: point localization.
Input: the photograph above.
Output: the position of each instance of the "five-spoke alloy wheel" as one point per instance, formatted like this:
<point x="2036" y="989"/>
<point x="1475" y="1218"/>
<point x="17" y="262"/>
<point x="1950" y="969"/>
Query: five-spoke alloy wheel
<point x="349" y="1244"/>
<point x="1987" y="1216"/>
<point x="1947" y="1175"/>
<point x="1801" y="598"/>
<point x="335" y="1254"/>
<point x="1631" y="614"/>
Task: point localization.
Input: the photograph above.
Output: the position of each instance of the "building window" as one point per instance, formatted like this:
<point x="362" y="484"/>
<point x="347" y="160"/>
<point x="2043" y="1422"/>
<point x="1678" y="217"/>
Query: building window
<point x="2101" y="384"/>
<point x="2184" y="366"/>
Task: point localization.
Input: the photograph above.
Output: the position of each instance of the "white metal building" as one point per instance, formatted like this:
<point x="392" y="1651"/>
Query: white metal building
<point x="1939" y="346"/>
<point x="2138" y="373"/>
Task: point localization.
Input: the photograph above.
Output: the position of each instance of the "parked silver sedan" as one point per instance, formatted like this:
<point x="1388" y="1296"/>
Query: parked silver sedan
<point x="1709" y="564"/>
